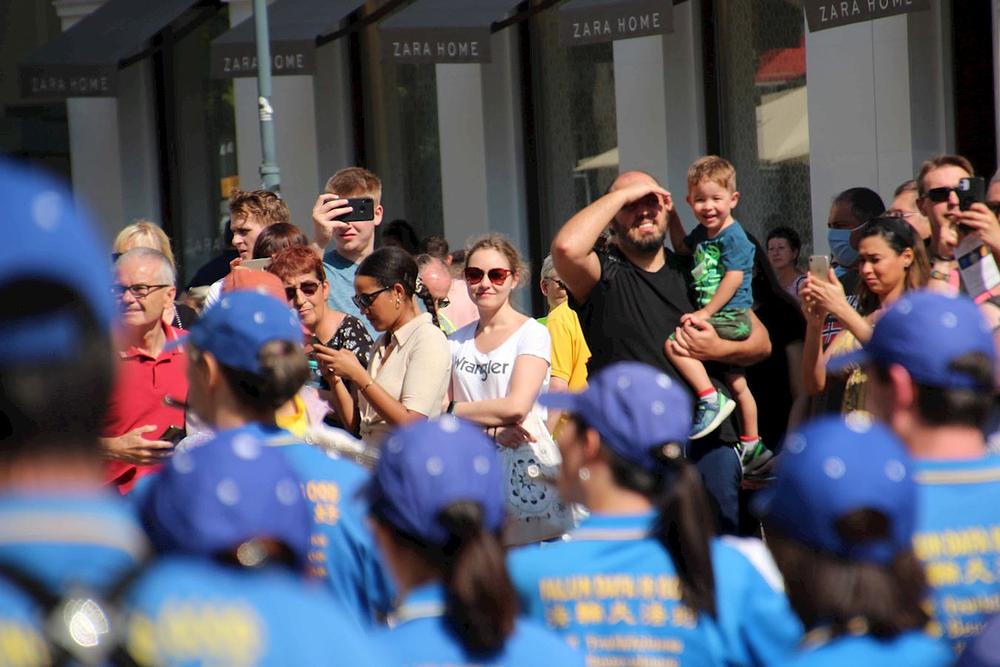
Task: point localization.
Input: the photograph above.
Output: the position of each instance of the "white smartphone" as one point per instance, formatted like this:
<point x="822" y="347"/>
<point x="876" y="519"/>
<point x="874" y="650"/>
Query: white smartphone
<point x="256" y="264"/>
<point x="819" y="267"/>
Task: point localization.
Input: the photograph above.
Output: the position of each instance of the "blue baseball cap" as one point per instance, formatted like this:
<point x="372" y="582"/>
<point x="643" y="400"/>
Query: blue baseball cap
<point x="831" y="467"/>
<point x="239" y="325"/>
<point x="47" y="238"/>
<point x="428" y="465"/>
<point x="924" y="332"/>
<point x="213" y="498"/>
<point x="635" y="407"/>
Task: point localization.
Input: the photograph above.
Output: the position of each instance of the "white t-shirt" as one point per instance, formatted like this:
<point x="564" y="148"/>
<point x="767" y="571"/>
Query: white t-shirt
<point x="476" y="376"/>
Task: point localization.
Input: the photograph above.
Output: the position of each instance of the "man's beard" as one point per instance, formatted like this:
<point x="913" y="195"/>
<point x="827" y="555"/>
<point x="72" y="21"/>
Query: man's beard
<point x="645" y="245"/>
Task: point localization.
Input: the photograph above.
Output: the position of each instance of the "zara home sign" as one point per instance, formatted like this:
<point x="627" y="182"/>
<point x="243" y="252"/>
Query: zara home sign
<point x="823" y="14"/>
<point x="592" y="21"/>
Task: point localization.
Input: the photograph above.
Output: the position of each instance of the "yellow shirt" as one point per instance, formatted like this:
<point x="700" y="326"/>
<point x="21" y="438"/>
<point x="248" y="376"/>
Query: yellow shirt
<point x="295" y="423"/>
<point x="570" y="353"/>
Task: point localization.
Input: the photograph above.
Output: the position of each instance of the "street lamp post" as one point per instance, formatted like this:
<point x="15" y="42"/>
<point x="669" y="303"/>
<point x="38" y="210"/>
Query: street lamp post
<point x="270" y="173"/>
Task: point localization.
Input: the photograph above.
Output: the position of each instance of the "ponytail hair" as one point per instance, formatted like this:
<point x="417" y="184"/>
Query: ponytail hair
<point x="284" y="369"/>
<point x="685" y="526"/>
<point x="481" y="604"/>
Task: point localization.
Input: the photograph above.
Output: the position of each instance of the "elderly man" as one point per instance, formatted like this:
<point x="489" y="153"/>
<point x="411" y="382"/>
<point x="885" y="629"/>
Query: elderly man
<point x="138" y="417"/>
<point x="436" y="276"/>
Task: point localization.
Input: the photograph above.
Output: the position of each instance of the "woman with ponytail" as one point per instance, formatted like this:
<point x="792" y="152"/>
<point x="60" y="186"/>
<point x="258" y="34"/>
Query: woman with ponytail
<point x="643" y="580"/>
<point x="840" y="520"/>
<point x="409" y="367"/>
<point x="437" y="507"/>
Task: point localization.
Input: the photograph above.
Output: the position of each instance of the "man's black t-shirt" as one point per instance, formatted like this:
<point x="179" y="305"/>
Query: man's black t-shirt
<point x="630" y="313"/>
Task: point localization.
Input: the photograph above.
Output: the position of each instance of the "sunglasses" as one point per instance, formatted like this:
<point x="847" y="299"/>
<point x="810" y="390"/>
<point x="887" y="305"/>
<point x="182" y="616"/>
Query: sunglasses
<point x="308" y="288"/>
<point x="558" y="283"/>
<point x="364" y="301"/>
<point x="938" y="195"/>
<point x="474" y="275"/>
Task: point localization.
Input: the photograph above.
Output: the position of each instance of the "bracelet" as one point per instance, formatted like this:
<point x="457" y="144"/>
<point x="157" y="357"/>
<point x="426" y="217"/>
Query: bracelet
<point x="939" y="275"/>
<point x="364" y="389"/>
<point x="451" y="408"/>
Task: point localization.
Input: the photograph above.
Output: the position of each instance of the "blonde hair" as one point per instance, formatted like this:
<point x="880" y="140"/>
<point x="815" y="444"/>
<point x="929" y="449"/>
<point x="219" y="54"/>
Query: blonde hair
<point x="355" y="182"/>
<point x="502" y="245"/>
<point x="715" y="169"/>
<point x="144" y="234"/>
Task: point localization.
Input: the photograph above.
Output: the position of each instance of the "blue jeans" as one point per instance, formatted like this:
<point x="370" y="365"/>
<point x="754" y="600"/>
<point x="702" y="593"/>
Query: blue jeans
<point x="722" y="473"/>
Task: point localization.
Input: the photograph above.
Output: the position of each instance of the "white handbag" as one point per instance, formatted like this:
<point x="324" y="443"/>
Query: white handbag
<point x="535" y="512"/>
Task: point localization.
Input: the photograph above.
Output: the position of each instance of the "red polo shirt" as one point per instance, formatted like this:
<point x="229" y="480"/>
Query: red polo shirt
<point x="137" y="400"/>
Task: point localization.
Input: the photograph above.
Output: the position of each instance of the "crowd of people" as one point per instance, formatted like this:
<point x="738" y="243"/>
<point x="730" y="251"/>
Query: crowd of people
<point x="332" y="450"/>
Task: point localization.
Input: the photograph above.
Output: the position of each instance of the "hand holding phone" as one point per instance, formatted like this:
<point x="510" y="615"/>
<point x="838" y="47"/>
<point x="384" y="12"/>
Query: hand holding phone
<point x="327" y="212"/>
<point x="819" y="267"/>
<point x="172" y="434"/>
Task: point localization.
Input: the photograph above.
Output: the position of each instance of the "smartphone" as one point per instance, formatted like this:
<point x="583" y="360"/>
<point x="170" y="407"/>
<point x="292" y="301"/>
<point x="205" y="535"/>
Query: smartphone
<point x="256" y="264"/>
<point x="364" y="209"/>
<point x="819" y="267"/>
<point x="970" y="191"/>
<point x="172" y="434"/>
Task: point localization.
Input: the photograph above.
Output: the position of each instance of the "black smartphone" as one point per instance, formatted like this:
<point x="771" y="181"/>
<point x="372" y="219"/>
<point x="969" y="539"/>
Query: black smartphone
<point x="172" y="434"/>
<point x="364" y="209"/>
<point x="970" y="191"/>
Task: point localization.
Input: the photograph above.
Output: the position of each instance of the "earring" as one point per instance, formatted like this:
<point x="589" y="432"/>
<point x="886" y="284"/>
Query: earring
<point x="397" y="303"/>
<point x="584" y="474"/>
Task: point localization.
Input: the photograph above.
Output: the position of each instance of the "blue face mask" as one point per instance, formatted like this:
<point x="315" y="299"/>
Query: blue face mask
<point x="840" y="246"/>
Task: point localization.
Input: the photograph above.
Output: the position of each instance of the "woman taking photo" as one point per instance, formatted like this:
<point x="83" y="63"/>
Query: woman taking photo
<point x="891" y="261"/>
<point x="437" y="508"/>
<point x="407" y="375"/>
<point x="644" y="567"/>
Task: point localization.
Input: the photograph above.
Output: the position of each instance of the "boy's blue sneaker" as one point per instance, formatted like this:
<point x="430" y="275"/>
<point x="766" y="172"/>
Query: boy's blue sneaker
<point x="709" y="413"/>
<point x="753" y="456"/>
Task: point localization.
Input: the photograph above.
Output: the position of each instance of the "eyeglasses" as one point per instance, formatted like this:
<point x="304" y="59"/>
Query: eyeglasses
<point x="364" y="301"/>
<point x="938" y="195"/>
<point x="308" y="288"/>
<point x="443" y="302"/>
<point x="138" y="290"/>
<point x="474" y="275"/>
<point x="558" y="282"/>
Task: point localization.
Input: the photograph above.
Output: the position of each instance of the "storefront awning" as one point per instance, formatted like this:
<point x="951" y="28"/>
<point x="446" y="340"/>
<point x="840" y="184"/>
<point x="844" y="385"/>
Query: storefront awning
<point x="442" y="31"/>
<point x="84" y="60"/>
<point x="592" y="21"/>
<point x="293" y="26"/>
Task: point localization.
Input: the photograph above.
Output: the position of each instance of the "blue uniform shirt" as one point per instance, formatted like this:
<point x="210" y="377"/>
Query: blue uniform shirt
<point x="419" y="636"/>
<point x="340" y="274"/>
<point x="913" y="649"/>
<point x="958" y="540"/>
<point x="613" y="591"/>
<point x="192" y="611"/>
<point x="343" y="548"/>
<point x="62" y="540"/>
